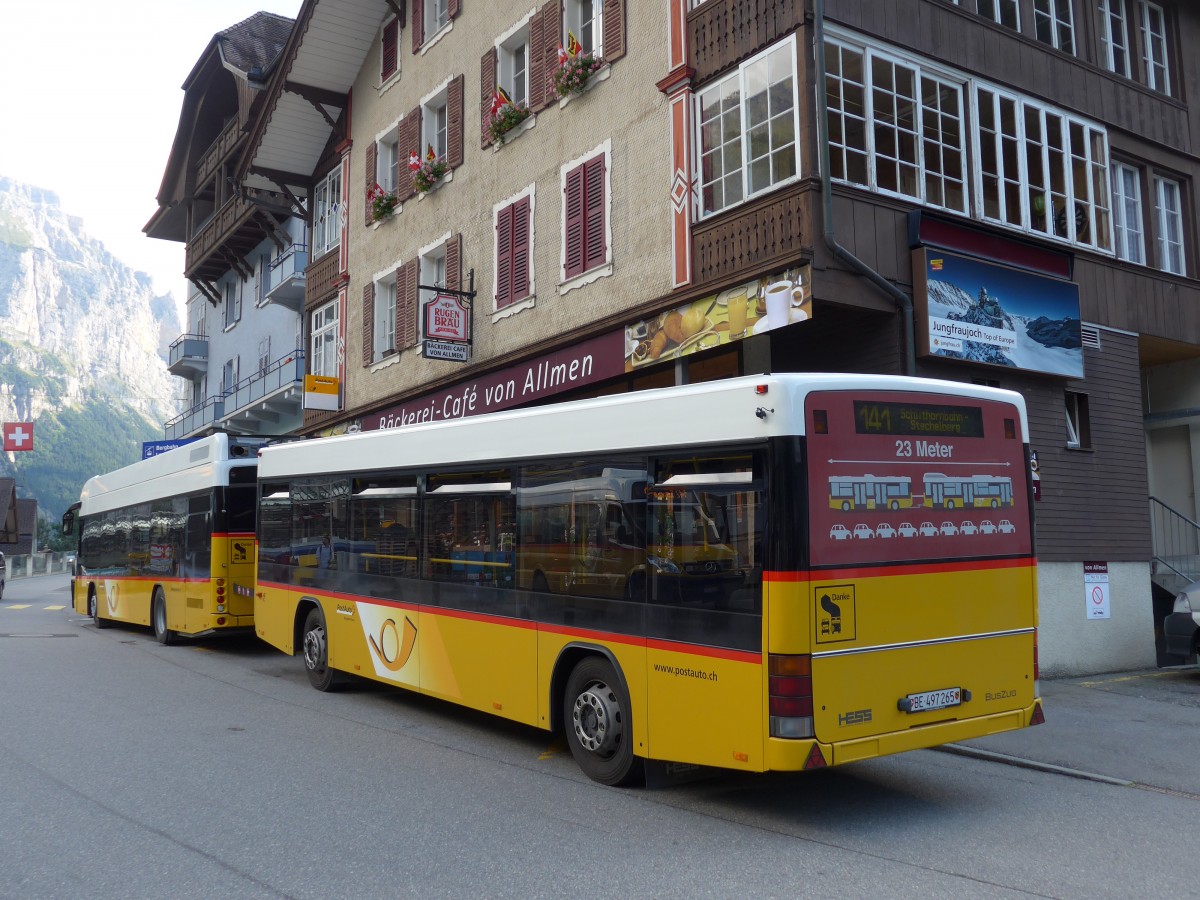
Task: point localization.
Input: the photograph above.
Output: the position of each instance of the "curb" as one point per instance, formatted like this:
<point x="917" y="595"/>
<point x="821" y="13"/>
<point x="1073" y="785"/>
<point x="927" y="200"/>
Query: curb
<point x="1005" y="759"/>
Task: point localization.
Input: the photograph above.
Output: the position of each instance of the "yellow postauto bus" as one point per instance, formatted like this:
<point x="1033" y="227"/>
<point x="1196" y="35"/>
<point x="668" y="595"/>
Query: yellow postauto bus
<point x="660" y="575"/>
<point x="169" y="541"/>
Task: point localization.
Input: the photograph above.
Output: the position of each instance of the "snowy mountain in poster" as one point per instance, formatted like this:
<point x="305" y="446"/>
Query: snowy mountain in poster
<point x="1041" y="315"/>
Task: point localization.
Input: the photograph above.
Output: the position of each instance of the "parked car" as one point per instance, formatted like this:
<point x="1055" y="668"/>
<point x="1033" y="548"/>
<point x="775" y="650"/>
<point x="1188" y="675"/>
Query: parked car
<point x="968" y="527"/>
<point x="987" y="526"/>
<point x="863" y="532"/>
<point x="1006" y="527"/>
<point x="1181" y="628"/>
<point x="906" y="529"/>
<point x="949" y="529"/>
<point x="885" y="531"/>
<point x="928" y="529"/>
<point x="839" y="533"/>
<point x="3" y="575"/>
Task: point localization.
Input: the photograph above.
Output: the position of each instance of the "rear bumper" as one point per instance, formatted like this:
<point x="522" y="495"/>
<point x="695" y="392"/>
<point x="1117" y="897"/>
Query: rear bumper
<point x="790" y="756"/>
<point x="1179" y="634"/>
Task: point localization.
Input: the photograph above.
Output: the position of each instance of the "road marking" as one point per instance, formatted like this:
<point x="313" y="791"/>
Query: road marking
<point x="1121" y="678"/>
<point x="20" y="606"/>
<point x="53" y="607"/>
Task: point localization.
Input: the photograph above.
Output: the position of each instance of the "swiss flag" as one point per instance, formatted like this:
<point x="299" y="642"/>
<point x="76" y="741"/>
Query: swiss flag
<point x="18" y="435"/>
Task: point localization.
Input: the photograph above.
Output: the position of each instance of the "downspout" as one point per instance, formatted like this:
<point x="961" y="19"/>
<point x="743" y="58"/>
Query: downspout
<point x="902" y="300"/>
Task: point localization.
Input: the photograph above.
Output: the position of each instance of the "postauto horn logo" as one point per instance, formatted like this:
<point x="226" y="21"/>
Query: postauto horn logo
<point x="393" y="648"/>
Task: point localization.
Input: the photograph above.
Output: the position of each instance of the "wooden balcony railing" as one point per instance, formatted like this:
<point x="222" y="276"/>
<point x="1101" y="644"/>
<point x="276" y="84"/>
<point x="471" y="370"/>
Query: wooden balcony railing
<point x="218" y="150"/>
<point x="322" y="278"/>
<point x="753" y="237"/>
<point x="724" y="32"/>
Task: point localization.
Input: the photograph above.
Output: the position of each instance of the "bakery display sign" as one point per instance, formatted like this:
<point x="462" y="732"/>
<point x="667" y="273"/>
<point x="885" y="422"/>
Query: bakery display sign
<point x="753" y="307"/>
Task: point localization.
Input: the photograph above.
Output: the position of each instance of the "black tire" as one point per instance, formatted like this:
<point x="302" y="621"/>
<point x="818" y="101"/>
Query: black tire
<point x="158" y="618"/>
<point x="599" y="724"/>
<point x="94" y="610"/>
<point x="315" y="647"/>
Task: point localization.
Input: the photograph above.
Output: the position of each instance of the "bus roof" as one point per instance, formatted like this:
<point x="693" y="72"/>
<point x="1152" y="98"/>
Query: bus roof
<point x="192" y="467"/>
<point x="715" y="412"/>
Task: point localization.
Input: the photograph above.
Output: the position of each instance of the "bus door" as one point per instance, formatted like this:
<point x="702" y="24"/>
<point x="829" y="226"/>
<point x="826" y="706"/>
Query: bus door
<point x="70" y="520"/>
<point x="921" y="615"/>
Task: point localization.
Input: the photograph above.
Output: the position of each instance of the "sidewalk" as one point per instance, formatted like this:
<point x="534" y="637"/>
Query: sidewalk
<point x="1141" y="727"/>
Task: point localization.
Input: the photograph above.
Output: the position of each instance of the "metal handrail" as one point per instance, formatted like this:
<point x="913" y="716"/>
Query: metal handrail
<point x="1175" y="540"/>
<point x="187" y="337"/>
<point x="258" y="375"/>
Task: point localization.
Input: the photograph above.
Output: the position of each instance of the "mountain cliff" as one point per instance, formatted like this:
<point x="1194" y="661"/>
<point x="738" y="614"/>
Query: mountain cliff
<point x="83" y="342"/>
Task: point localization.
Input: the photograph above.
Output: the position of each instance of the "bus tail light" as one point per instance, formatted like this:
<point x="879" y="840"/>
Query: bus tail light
<point x="790" y="699"/>
<point x="220" y="595"/>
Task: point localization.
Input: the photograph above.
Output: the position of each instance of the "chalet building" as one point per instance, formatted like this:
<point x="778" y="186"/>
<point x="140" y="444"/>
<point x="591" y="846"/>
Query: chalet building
<point x="241" y="358"/>
<point x="517" y="203"/>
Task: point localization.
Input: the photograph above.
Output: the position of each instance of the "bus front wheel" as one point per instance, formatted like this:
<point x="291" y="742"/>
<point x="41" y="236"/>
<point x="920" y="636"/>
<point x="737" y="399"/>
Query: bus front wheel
<point x="316" y="652"/>
<point x="158" y="615"/>
<point x="598" y="723"/>
<point x="94" y="610"/>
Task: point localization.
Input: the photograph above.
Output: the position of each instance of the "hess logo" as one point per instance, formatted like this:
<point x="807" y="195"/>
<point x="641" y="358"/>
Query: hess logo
<point x="395" y="644"/>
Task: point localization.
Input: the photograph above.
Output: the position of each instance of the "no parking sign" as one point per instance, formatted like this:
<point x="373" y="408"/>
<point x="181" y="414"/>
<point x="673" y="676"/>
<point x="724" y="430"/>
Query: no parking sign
<point x="1095" y="590"/>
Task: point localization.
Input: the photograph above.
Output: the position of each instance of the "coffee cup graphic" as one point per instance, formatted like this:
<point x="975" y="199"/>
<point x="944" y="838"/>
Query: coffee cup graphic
<point x="779" y="303"/>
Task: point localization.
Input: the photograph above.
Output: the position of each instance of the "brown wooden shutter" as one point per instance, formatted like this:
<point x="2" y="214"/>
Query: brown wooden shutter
<point x="453" y="8"/>
<point x="408" y="141"/>
<point x="595" y="249"/>
<point x="614" y="29"/>
<point x="368" y="323"/>
<point x="369" y="158"/>
<point x="454" y="122"/>
<point x="454" y="262"/>
<point x="406" y="304"/>
<point x="487" y="90"/>
<point x="418" y="24"/>
<point x="398" y="329"/>
<point x="504" y="257"/>
<point x="520" y="249"/>
<point x="537" y="84"/>
<point x="551" y="38"/>
<point x="573" y="239"/>
<point x="387" y="50"/>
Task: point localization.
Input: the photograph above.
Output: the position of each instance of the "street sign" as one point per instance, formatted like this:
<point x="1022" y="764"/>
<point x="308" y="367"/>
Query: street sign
<point x="321" y="392"/>
<point x="447" y="318"/>
<point x="154" y="448"/>
<point x="447" y="350"/>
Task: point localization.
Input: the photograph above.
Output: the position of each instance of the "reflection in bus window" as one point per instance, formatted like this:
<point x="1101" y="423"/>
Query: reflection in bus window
<point x="582" y="529"/>
<point x="470" y="526"/>
<point x="383" y="526"/>
<point x="705" y="540"/>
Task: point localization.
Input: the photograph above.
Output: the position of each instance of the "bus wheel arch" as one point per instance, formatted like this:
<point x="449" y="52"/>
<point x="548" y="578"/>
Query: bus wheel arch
<point x="591" y="703"/>
<point x="158" y="617"/>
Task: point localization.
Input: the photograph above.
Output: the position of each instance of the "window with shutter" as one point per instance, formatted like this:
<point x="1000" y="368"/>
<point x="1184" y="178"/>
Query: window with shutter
<point x="388" y="41"/>
<point x="585" y="204"/>
<point x="368" y="324"/>
<point x="406" y="304"/>
<point x="513" y="233"/>
<point x="409" y="140"/>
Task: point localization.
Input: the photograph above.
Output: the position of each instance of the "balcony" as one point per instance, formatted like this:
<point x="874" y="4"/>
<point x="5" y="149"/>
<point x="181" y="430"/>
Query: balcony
<point x="188" y="356"/>
<point x="285" y="278"/>
<point x="268" y="402"/>
<point x="196" y="419"/>
<point x="233" y="231"/>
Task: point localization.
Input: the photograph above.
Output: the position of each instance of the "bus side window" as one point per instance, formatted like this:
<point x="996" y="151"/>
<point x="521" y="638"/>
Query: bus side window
<point x="199" y="536"/>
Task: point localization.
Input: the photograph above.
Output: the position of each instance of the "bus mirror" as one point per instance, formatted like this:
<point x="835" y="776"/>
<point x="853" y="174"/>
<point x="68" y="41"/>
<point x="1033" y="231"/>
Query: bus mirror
<point x="68" y="522"/>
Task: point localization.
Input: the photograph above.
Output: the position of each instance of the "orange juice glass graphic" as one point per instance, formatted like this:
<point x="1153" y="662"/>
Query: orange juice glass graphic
<point x="737" y="317"/>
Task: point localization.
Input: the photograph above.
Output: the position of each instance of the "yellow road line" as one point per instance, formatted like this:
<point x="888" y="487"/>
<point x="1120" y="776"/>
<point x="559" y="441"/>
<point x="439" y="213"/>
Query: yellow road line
<point x="19" y="606"/>
<point x="1125" y="678"/>
<point x="53" y="607"/>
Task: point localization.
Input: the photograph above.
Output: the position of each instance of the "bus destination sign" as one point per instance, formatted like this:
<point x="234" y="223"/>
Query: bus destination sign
<point x="922" y="419"/>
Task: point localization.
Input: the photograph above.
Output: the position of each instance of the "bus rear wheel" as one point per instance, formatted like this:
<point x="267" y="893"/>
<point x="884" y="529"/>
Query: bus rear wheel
<point x="316" y="652"/>
<point x="598" y="722"/>
<point x="158" y="616"/>
<point x="94" y="610"/>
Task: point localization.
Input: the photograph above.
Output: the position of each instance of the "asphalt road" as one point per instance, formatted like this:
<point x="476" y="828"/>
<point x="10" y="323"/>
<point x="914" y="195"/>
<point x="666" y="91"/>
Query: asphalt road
<point x="129" y="769"/>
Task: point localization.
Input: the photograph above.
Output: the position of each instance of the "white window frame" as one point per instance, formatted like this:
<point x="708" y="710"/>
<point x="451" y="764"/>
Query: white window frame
<point x="435" y="122"/>
<point x="431" y="269"/>
<point x="512" y="63"/>
<point x="1128" y="217"/>
<point x="1076" y="416"/>
<point x="388" y="160"/>
<point x="437" y="16"/>
<point x="744" y="166"/>
<point x="324" y="337"/>
<point x="588" y="31"/>
<point x="1061" y="20"/>
<point x="1154" y="46"/>
<point x="230" y="376"/>
<point x="1073" y="131"/>
<point x="383" y="313"/>
<point x="1114" y="12"/>
<point x="264" y="354"/>
<point x="326" y="213"/>
<point x="233" y="302"/>
<point x="1168" y="212"/>
<point x="871" y="156"/>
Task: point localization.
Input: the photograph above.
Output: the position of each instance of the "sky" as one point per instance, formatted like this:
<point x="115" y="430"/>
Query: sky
<point x="90" y="104"/>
